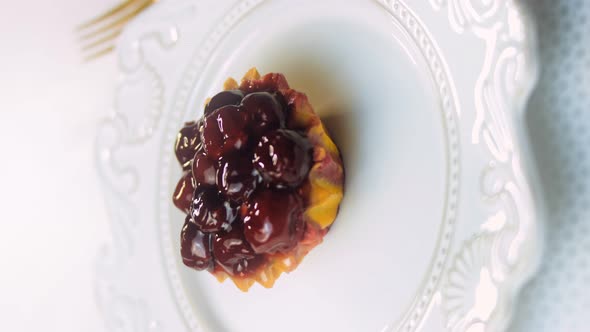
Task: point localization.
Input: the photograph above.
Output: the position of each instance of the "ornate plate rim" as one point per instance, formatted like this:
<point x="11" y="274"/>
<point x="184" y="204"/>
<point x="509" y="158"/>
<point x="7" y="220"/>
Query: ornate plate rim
<point x="517" y="107"/>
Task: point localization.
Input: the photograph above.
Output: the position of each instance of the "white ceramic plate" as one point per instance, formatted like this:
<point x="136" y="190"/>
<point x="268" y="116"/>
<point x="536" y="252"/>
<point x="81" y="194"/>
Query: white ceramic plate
<point x="439" y="227"/>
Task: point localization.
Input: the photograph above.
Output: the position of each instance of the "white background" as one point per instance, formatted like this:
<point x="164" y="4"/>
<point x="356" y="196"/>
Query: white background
<point x="53" y="218"/>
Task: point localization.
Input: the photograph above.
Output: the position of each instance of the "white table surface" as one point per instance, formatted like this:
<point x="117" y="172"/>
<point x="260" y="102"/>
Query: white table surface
<point x="53" y="216"/>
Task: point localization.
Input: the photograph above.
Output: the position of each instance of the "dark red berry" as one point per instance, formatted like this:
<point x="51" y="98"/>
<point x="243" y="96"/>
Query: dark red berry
<point x="195" y="247"/>
<point x="242" y="183"/>
<point x="204" y="169"/>
<point x="183" y="194"/>
<point x="187" y="143"/>
<point x="211" y="212"/>
<point x="273" y="221"/>
<point x="283" y="158"/>
<point x="224" y="130"/>
<point x="234" y="254"/>
<point x="270" y="83"/>
<point x="236" y="176"/>
<point x="264" y="111"/>
<point x="224" y="98"/>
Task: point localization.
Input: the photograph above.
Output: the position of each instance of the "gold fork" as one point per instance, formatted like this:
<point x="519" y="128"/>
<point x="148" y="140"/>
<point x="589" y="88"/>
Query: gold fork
<point x="98" y="35"/>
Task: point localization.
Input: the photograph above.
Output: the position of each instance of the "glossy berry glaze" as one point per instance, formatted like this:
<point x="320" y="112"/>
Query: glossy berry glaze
<point x="246" y="187"/>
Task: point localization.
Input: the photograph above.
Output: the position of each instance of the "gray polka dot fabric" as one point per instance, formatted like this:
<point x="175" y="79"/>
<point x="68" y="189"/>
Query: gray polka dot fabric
<point x="558" y="299"/>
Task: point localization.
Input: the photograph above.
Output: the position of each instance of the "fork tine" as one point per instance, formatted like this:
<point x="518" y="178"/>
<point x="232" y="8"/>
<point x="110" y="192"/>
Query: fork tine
<point x="118" y="22"/>
<point x="105" y="15"/>
<point x="107" y="38"/>
<point x="100" y="32"/>
<point x="99" y="53"/>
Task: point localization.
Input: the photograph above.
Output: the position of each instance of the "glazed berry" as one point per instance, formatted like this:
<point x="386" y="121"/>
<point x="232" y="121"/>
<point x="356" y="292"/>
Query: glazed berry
<point x="273" y="221"/>
<point x="283" y="158"/>
<point x="210" y="211"/>
<point x="234" y="254"/>
<point x="195" y="247"/>
<point x="188" y="140"/>
<point x="236" y="176"/>
<point x="252" y="213"/>
<point x="268" y="83"/>
<point x="224" y="98"/>
<point x="204" y="169"/>
<point x="224" y="130"/>
<point x="183" y="194"/>
<point x="265" y="112"/>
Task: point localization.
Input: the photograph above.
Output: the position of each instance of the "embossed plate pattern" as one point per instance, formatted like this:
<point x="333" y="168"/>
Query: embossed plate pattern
<point x="440" y="226"/>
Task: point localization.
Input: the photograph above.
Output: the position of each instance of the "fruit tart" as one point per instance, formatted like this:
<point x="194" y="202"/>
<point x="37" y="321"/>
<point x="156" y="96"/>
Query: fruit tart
<point x="262" y="181"/>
